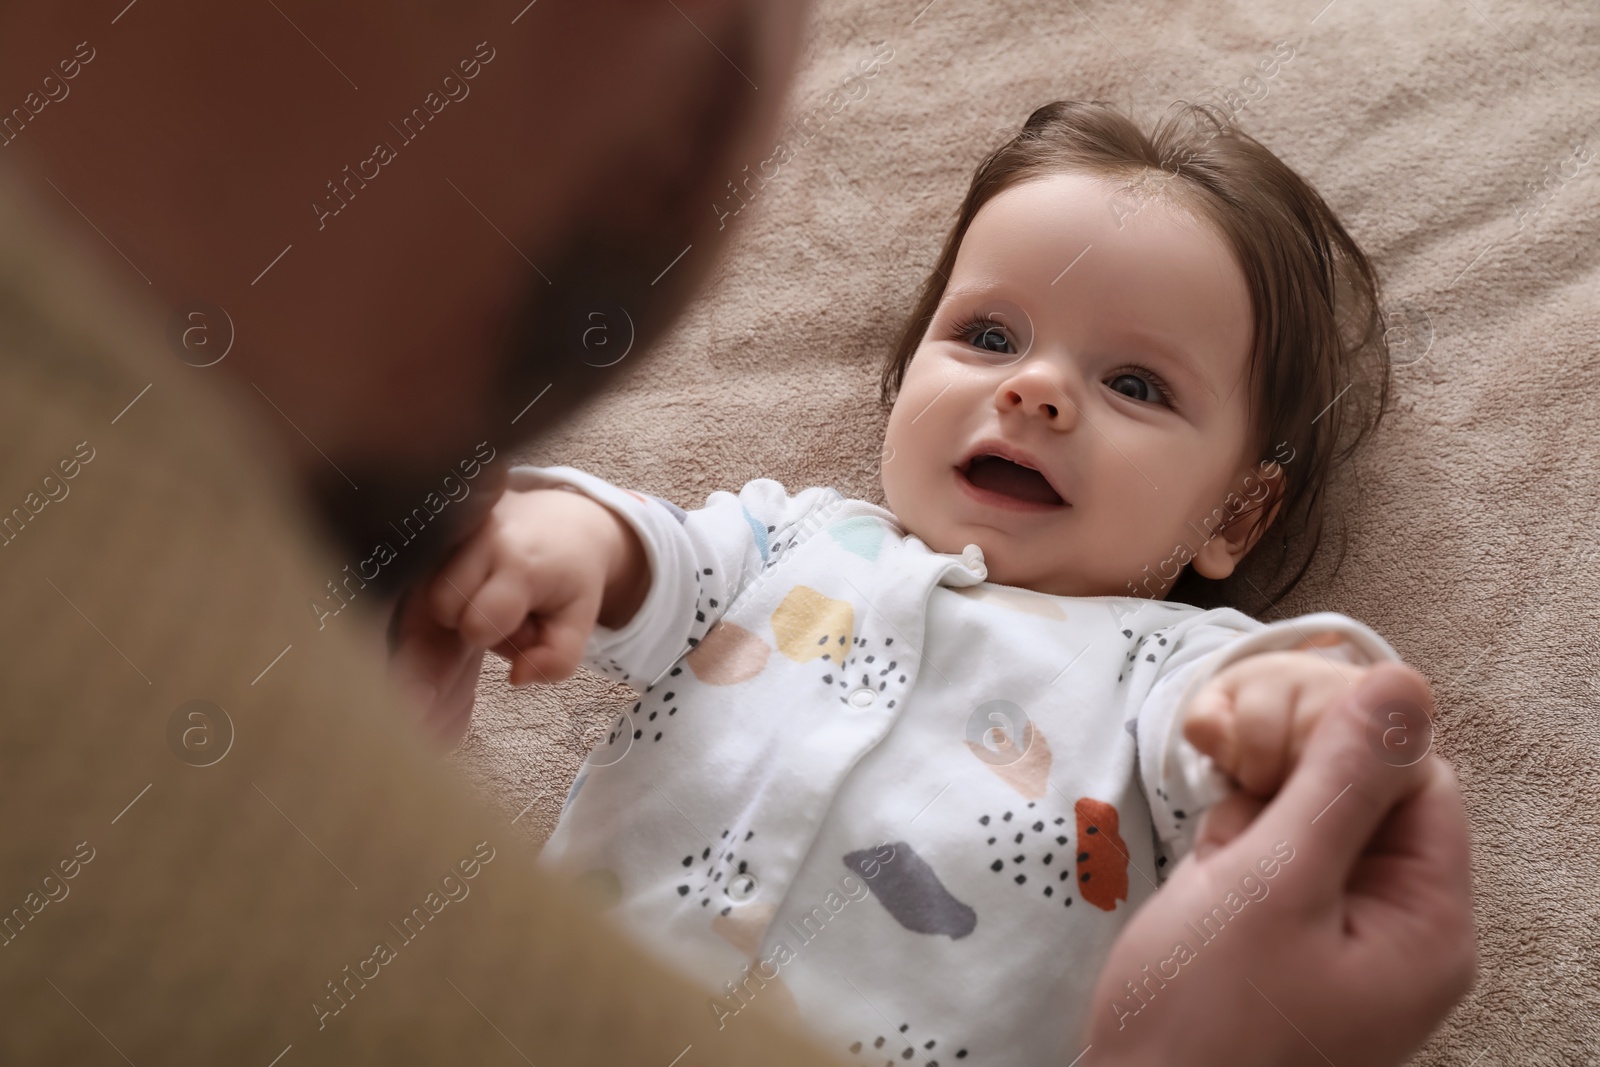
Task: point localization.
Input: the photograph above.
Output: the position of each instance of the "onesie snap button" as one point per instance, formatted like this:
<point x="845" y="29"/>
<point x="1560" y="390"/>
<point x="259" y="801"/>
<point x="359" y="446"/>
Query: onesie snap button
<point x="862" y="697"/>
<point x="742" y="887"/>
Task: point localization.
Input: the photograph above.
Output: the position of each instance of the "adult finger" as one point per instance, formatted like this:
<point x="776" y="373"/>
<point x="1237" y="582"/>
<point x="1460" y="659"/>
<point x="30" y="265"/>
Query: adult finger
<point x="450" y="592"/>
<point x="1421" y="852"/>
<point x="1409" y="900"/>
<point x="1346" y="783"/>
<point x="424" y="656"/>
<point x="1226" y="820"/>
<point x="449" y="714"/>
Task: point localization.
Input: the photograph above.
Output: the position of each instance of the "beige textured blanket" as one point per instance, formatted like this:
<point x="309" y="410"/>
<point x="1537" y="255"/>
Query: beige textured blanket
<point x="1459" y="142"/>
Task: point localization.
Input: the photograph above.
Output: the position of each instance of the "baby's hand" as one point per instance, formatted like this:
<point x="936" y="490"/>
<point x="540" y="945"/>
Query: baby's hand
<point x="1254" y="716"/>
<point x="531" y="583"/>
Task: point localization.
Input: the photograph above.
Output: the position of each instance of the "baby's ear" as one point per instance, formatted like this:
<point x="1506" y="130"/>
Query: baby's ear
<point x="1250" y="505"/>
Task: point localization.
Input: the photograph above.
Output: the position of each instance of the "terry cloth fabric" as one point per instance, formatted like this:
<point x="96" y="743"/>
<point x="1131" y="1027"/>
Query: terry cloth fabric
<point x="821" y="696"/>
<point x="1450" y="138"/>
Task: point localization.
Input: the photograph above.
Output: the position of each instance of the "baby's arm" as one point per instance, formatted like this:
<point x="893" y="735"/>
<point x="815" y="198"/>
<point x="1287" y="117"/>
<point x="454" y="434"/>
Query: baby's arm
<point x="441" y="630"/>
<point x="634" y="583"/>
<point x="1179" y="669"/>
<point x="536" y="577"/>
<point x="1253" y="717"/>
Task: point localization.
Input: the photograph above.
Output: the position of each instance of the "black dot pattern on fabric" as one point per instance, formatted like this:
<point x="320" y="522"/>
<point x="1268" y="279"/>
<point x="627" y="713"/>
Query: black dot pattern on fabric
<point x="711" y="877"/>
<point x="1020" y="864"/>
<point x="906" y="1046"/>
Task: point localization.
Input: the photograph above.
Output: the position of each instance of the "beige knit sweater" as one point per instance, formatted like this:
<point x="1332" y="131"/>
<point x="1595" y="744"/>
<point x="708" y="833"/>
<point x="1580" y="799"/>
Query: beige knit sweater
<point x="325" y="891"/>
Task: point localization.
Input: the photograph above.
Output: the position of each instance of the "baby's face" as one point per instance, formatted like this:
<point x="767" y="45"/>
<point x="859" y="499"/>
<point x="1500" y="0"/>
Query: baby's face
<point x="1111" y="360"/>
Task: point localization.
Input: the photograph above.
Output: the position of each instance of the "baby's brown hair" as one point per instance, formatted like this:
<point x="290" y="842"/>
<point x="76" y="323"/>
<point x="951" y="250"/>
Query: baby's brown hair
<point x="1319" y="364"/>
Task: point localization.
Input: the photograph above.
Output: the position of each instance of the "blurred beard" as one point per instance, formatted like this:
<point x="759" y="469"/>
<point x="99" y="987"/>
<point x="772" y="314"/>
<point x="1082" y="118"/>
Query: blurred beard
<point x="613" y="287"/>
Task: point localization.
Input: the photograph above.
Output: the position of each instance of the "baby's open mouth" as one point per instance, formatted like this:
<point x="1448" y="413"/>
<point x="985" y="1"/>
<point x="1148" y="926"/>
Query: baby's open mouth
<point x="1010" y="479"/>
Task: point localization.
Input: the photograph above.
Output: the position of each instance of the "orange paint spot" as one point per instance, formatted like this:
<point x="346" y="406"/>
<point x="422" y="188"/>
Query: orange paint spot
<point x="1102" y="854"/>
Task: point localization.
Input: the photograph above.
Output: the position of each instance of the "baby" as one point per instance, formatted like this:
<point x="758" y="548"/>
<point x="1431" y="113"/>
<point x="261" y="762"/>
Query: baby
<point x="905" y="772"/>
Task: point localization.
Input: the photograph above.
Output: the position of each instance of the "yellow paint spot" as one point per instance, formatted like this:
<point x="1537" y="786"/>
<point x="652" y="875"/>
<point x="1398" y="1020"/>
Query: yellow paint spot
<point x="808" y="624"/>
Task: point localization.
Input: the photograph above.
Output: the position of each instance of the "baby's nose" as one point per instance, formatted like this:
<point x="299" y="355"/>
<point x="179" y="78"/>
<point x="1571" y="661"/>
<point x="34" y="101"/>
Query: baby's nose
<point x="1034" y="394"/>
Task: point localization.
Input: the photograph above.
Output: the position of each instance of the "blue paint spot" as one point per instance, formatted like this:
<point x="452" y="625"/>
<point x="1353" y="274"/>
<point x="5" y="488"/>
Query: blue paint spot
<point x="759" y="529"/>
<point x="862" y="535"/>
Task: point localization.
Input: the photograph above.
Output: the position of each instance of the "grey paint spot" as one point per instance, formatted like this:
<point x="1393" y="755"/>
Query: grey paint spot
<point x="911" y="892"/>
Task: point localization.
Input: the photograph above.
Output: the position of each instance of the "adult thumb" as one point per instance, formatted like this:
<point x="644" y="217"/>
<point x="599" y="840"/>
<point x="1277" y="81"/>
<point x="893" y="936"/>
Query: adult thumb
<point x="1364" y="757"/>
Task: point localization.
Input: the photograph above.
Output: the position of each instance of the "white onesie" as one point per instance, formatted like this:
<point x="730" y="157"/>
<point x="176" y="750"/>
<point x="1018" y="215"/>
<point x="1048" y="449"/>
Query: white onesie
<point x="867" y="786"/>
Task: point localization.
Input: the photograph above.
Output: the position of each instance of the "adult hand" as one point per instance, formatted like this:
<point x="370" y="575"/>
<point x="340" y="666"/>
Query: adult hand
<point x="434" y="665"/>
<point x="1352" y="949"/>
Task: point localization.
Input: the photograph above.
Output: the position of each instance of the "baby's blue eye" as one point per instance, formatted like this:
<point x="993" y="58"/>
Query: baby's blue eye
<point x="1142" y="390"/>
<point x="985" y="334"/>
<point x="992" y="339"/>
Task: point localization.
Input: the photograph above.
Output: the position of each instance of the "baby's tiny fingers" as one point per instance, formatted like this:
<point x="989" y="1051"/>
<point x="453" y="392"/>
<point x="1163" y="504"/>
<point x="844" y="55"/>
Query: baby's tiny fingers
<point x="1210" y="727"/>
<point x="1265" y="717"/>
<point x="562" y="637"/>
<point x="450" y="591"/>
<point x="496" y="610"/>
<point x="525" y="636"/>
<point x="1316" y="697"/>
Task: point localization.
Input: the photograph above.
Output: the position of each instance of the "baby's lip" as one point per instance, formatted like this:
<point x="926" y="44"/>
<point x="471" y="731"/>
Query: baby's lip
<point x="993" y="446"/>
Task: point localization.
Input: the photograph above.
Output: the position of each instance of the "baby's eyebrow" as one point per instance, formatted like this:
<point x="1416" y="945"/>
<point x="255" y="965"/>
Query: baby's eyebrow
<point x="970" y="289"/>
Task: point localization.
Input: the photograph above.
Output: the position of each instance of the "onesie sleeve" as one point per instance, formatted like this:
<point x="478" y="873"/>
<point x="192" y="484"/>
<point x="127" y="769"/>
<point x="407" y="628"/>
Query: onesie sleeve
<point x="700" y="561"/>
<point x="1169" y="666"/>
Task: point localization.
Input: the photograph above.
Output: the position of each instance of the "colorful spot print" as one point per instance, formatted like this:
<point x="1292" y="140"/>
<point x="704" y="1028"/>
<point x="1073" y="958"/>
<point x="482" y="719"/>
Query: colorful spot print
<point x="809" y="625"/>
<point x="863" y="536"/>
<point x="1029" y="773"/>
<point x="913" y="895"/>
<point x="728" y="655"/>
<point x="1102" y="854"/>
<point x="760" y="530"/>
